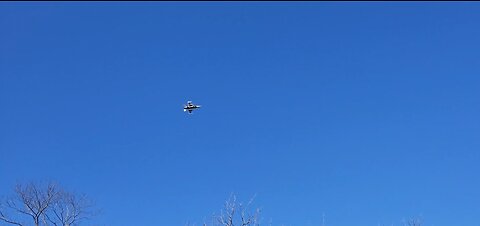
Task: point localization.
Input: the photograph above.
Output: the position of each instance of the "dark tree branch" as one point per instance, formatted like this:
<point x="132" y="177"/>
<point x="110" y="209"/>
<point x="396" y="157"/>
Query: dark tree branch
<point x="48" y="205"/>
<point x="6" y="220"/>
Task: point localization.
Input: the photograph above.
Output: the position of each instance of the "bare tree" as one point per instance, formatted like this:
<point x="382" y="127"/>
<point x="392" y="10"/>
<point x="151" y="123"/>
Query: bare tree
<point x="415" y="221"/>
<point x="235" y="213"/>
<point x="44" y="205"/>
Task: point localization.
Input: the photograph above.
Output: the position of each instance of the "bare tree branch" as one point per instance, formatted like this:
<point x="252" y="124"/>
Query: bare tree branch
<point x="5" y="219"/>
<point x="47" y="205"/>
<point x="236" y="214"/>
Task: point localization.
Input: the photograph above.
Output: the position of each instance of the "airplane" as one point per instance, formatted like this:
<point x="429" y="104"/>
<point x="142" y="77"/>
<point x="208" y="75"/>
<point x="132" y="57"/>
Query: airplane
<point x="190" y="107"/>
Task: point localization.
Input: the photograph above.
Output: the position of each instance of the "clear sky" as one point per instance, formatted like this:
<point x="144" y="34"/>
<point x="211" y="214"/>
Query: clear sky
<point x="367" y="112"/>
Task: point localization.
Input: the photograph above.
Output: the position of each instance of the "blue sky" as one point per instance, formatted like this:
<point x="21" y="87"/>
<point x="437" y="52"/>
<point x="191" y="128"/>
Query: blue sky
<point x="367" y="112"/>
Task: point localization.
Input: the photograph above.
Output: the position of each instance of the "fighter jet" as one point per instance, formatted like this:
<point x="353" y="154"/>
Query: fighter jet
<point x="190" y="107"/>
